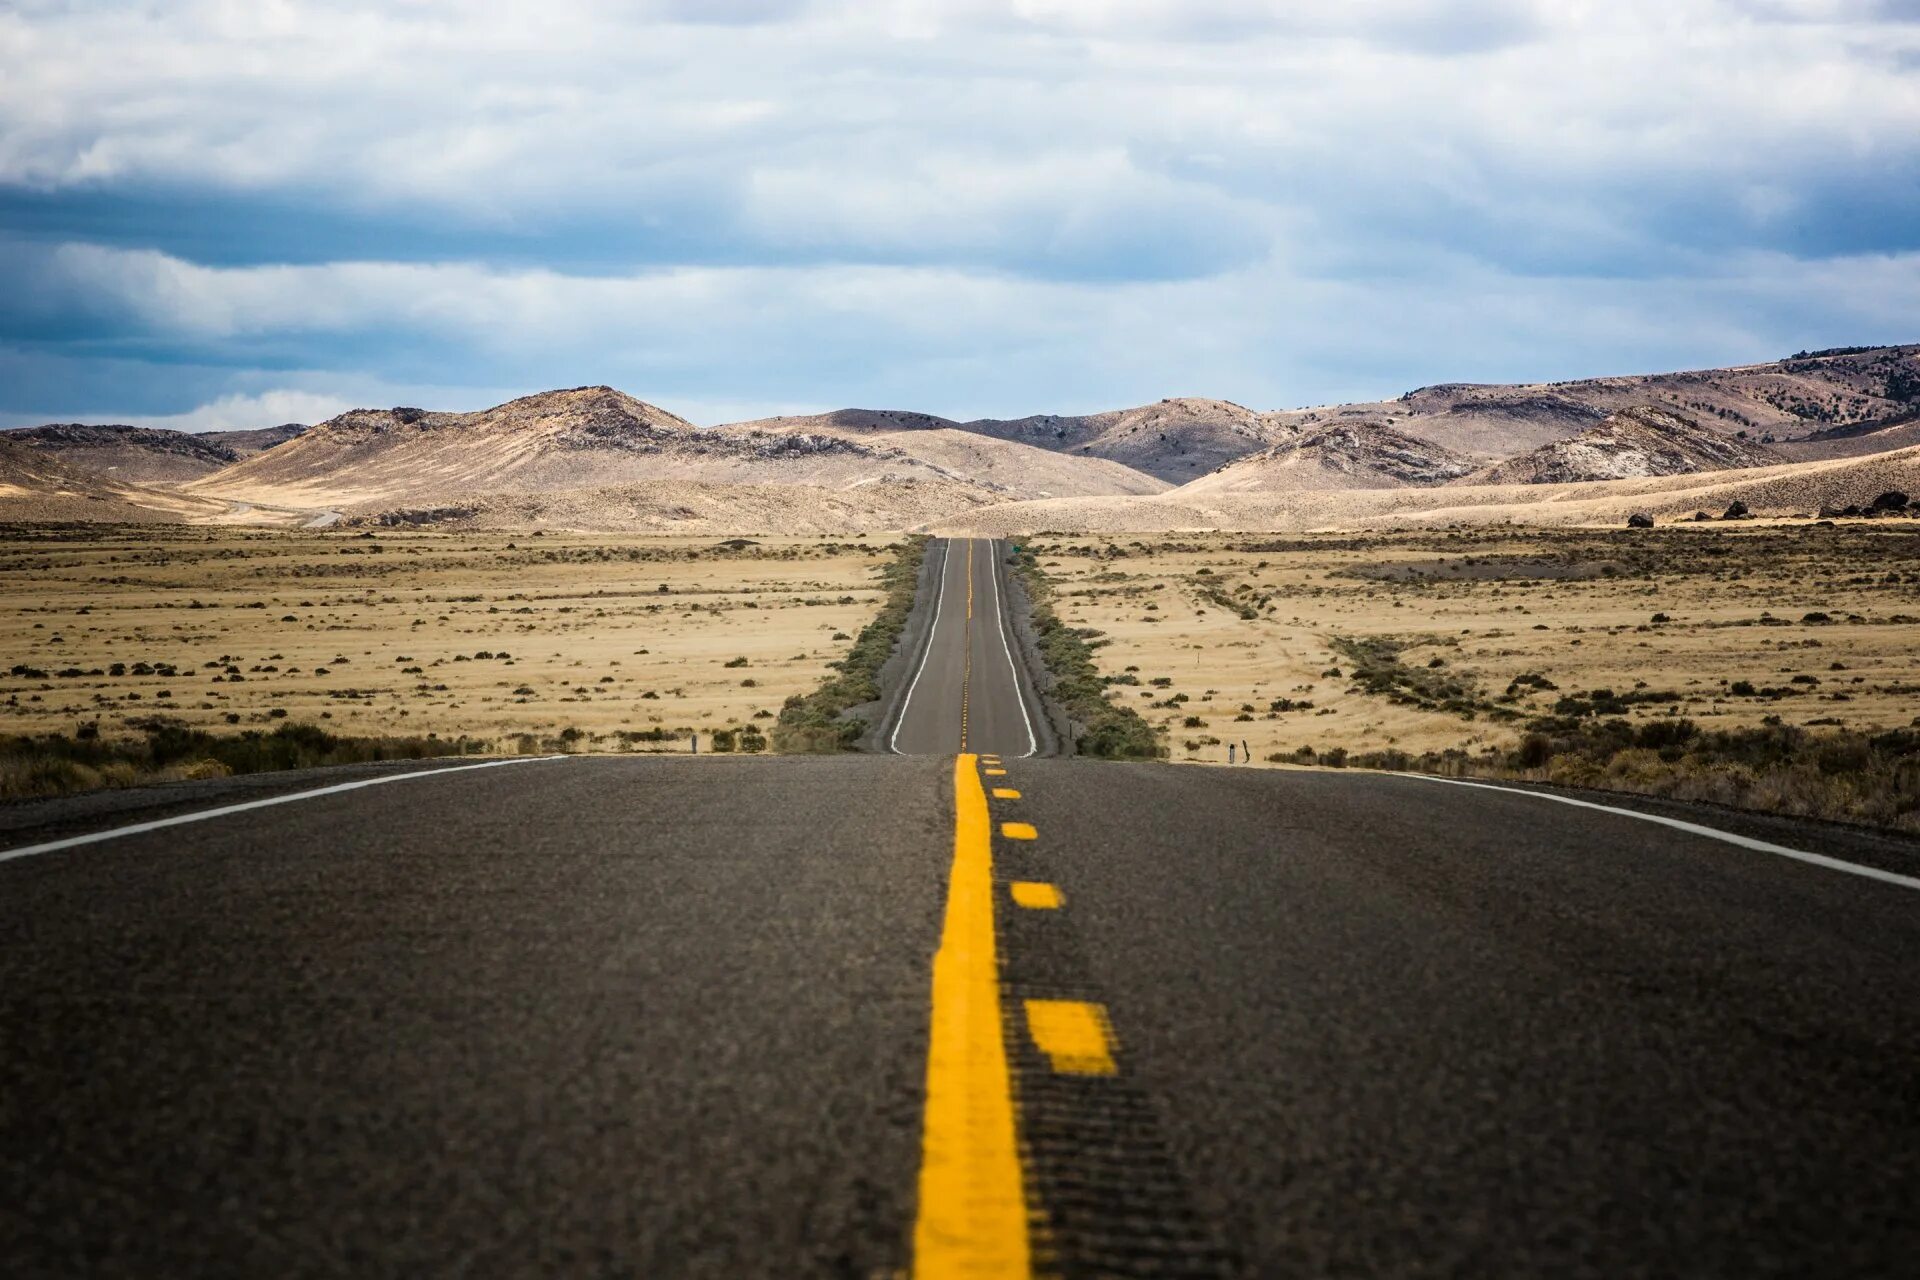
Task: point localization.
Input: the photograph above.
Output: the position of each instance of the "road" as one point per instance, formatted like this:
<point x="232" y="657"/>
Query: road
<point x="967" y="691"/>
<point x="946" y="1013"/>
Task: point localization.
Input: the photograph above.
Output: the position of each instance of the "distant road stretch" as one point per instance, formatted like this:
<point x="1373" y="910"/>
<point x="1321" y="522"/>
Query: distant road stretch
<point x="935" y="1012"/>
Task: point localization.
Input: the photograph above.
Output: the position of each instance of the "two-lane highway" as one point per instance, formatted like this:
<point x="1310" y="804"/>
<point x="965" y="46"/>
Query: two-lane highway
<point x="948" y="1013"/>
<point x="968" y="691"/>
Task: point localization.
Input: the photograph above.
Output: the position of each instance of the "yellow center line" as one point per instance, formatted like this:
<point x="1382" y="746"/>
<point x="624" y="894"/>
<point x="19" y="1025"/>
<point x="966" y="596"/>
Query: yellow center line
<point x="966" y="651"/>
<point x="972" y="1219"/>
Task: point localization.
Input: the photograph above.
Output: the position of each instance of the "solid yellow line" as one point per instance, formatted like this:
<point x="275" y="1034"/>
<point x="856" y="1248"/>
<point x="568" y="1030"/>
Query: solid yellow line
<point x="966" y="651"/>
<point x="1074" y="1034"/>
<point x="972" y="1219"/>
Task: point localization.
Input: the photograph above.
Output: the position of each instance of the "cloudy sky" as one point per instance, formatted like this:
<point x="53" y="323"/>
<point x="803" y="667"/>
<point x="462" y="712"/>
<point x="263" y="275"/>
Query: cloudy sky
<point x="220" y="213"/>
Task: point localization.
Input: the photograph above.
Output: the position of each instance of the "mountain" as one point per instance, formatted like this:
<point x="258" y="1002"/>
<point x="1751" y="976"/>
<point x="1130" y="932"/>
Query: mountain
<point x="39" y="482"/>
<point x="1010" y="466"/>
<point x="596" y="438"/>
<point x="1788" y="489"/>
<point x="1795" y="403"/>
<point x="1171" y="440"/>
<point x="147" y="455"/>
<point x="1632" y="443"/>
<point x="114" y="448"/>
<point x="1346" y="455"/>
<point x="256" y="440"/>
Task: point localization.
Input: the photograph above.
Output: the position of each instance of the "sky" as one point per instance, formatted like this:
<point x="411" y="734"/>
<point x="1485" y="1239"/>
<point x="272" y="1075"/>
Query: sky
<point x="234" y="213"/>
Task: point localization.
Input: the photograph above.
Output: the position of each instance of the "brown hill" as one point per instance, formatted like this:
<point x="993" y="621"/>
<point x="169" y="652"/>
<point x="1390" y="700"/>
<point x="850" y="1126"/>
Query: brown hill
<point x="1347" y="455"/>
<point x="1172" y="440"/>
<point x="150" y="455"/>
<point x="1789" y="489"/>
<point x="138" y="454"/>
<point x="38" y="483"/>
<point x="1802" y="398"/>
<point x="1632" y="443"/>
<point x="1010" y="467"/>
<point x="583" y="438"/>
<point x="255" y="440"/>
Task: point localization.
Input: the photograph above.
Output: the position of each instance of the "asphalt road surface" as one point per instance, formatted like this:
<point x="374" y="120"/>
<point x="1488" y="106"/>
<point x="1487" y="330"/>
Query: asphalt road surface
<point x="947" y="1014"/>
<point x="967" y="690"/>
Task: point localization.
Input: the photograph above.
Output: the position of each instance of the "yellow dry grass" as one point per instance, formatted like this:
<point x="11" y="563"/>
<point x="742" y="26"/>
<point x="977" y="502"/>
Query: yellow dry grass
<point x="488" y="635"/>
<point x="1573" y="608"/>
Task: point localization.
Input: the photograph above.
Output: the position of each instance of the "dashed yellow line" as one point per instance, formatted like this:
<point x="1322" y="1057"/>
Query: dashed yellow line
<point x="1035" y="895"/>
<point x="972" y="1218"/>
<point x="1018" y="830"/>
<point x="995" y="773"/>
<point x="1005" y="793"/>
<point x="1074" y="1034"/>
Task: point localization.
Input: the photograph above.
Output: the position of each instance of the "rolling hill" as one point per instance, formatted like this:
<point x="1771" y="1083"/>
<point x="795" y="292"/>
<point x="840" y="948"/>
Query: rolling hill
<point x="1632" y="443"/>
<point x="594" y="457"/>
<point x="148" y="455"/>
<point x="1346" y="455"/>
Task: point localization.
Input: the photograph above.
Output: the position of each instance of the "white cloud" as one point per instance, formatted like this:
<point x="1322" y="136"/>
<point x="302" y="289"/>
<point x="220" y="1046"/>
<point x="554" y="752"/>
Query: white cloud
<point x="950" y="125"/>
<point x="767" y="339"/>
<point x="965" y="205"/>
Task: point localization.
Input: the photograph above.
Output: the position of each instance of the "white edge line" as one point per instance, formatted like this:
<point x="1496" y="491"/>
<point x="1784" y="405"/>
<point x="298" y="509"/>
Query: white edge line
<point x="1033" y="743"/>
<point x="939" y="599"/>
<point x="95" y="837"/>
<point x="1693" y="828"/>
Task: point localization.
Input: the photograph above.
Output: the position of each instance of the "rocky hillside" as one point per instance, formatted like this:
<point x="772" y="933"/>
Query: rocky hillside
<point x="257" y="440"/>
<point x="1010" y="467"/>
<point x="40" y="483"/>
<point x="1629" y="444"/>
<point x="1799" y="401"/>
<point x="1171" y="440"/>
<point x="599" y="439"/>
<point x="1346" y="455"/>
<point x="147" y="455"/>
<point x="584" y="437"/>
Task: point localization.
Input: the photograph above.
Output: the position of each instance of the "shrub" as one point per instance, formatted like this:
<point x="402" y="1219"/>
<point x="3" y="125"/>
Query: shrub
<point x="1101" y="728"/>
<point x="816" y="721"/>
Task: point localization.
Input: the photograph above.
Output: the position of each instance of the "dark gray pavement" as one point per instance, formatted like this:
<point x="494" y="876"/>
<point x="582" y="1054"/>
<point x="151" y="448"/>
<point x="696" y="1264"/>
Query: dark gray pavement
<point x="611" y="1016"/>
<point x="668" y="1017"/>
<point x="968" y="690"/>
<point x="1393" y="1028"/>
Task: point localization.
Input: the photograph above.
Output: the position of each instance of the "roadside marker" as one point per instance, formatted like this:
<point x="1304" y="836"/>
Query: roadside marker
<point x="1075" y="1036"/>
<point x="1035" y="895"/>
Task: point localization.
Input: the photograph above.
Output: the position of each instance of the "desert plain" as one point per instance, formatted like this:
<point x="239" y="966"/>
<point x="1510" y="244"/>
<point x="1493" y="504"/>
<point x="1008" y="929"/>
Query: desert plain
<point x="1431" y="640"/>
<point x="1418" y="640"/>
<point x="526" y="642"/>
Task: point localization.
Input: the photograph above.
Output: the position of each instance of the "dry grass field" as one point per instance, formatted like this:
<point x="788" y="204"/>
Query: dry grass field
<point x="1424" y="641"/>
<point x="525" y="641"/>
